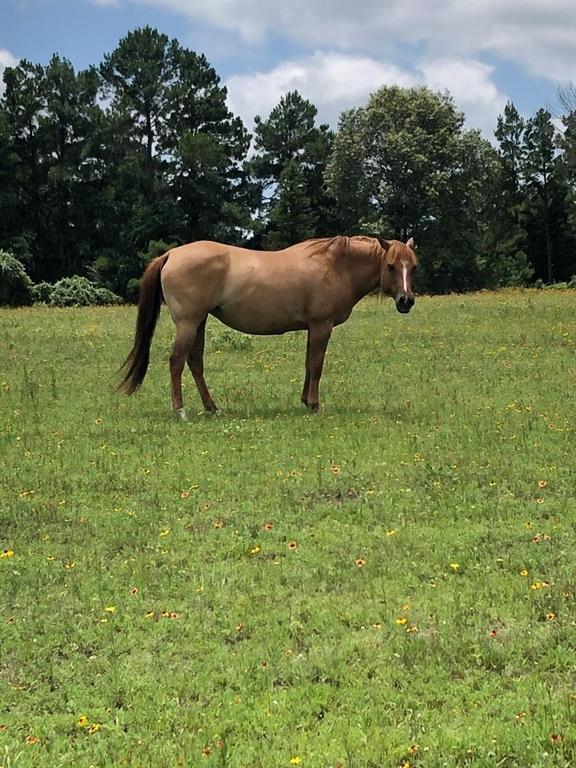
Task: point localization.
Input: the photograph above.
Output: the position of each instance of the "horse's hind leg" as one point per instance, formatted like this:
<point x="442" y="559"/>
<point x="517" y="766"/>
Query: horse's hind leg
<point x="185" y="337"/>
<point x="196" y="365"/>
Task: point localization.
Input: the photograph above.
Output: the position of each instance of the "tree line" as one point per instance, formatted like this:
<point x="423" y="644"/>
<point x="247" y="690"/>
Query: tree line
<point x="103" y="168"/>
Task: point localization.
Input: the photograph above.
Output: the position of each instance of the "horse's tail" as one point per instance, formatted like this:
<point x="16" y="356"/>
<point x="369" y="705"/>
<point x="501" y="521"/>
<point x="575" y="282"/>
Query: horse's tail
<point x="149" y="303"/>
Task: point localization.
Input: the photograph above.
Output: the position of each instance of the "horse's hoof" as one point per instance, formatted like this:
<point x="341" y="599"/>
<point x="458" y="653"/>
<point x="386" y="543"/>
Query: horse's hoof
<point x="180" y="414"/>
<point x="314" y="407"/>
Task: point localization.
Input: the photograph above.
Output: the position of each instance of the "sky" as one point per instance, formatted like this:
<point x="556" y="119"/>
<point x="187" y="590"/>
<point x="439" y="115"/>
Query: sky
<point x="334" y="52"/>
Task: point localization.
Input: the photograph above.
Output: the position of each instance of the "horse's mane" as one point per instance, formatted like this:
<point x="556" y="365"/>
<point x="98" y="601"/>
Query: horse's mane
<point x="338" y="247"/>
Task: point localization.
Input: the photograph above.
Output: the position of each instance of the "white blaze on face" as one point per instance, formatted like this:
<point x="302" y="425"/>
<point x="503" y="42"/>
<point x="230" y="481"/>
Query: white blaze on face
<point x="405" y="278"/>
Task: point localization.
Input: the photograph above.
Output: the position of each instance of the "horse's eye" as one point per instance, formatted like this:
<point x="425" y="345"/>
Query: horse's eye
<point x="391" y="268"/>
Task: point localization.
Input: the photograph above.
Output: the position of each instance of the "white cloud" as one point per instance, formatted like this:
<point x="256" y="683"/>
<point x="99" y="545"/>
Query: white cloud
<point x="6" y="60"/>
<point x="473" y="91"/>
<point x="334" y="82"/>
<point x="540" y="36"/>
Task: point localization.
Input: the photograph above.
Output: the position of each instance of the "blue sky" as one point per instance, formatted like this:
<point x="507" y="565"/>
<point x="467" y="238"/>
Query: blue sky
<point x="335" y="52"/>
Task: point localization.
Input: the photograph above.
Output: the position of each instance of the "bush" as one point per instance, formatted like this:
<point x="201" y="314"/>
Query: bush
<point x="41" y="292"/>
<point x="15" y="285"/>
<point x="80" y="292"/>
<point x="132" y="290"/>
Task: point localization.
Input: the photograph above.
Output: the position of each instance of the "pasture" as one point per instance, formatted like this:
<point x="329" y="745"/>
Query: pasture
<point x="390" y="582"/>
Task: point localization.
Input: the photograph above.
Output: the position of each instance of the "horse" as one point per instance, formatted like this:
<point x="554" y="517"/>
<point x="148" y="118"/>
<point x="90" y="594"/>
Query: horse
<point x="311" y="286"/>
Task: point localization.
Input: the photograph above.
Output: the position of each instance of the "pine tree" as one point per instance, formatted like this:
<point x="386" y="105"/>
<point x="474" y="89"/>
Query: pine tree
<point x="550" y="237"/>
<point x="291" y="153"/>
<point x="509" y="237"/>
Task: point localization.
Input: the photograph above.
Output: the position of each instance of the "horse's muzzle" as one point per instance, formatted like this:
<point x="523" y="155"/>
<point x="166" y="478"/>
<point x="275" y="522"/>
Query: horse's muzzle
<point x="404" y="304"/>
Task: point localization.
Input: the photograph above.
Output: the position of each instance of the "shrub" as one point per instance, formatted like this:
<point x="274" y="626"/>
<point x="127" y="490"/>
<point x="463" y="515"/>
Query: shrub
<point x="132" y="290"/>
<point x="80" y="292"/>
<point x="41" y="292"/>
<point x="15" y="285"/>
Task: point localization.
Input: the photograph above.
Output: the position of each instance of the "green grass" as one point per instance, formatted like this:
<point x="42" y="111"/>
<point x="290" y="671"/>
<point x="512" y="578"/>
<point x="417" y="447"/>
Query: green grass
<point x="443" y="458"/>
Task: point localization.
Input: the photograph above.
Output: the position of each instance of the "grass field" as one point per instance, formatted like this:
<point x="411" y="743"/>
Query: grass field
<point x="390" y="582"/>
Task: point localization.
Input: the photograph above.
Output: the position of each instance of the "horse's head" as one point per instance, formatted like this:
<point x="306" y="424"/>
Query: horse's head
<point x="398" y="265"/>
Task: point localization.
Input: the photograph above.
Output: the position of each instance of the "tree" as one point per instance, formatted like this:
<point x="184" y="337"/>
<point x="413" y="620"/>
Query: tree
<point x="510" y="239"/>
<point x="22" y="107"/>
<point x="179" y="163"/>
<point x="49" y="113"/>
<point x="287" y="169"/>
<point x="550" y="240"/>
<point x="291" y="217"/>
<point x="403" y="166"/>
<point x="566" y="142"/>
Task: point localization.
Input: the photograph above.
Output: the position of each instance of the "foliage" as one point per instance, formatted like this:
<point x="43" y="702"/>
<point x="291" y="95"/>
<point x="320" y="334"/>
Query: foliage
<point x="98" y="163"/>
<point x="290" y="156"/>
<point x="80" y="292"/>
<point x="509" y="239"/>
<point x="15" y="284"/>
<point x="41" y="292"/>
<point x="552" y="243"/>
<point x="154" y="612"/>
<point x="405" y="167"/>
<point x="183" y="146"/>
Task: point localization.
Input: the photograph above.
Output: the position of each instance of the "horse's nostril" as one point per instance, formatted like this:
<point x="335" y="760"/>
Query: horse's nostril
<point x="404" y="303"/>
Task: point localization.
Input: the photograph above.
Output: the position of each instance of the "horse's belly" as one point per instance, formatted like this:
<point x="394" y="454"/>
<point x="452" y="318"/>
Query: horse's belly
<point x="261" y="321"/>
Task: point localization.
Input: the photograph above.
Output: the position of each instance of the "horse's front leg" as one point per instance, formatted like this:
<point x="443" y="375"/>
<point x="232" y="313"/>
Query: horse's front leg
<point x="318" y="338"/>
<point x="304" y="396"/>
<point x="196" y="365"/>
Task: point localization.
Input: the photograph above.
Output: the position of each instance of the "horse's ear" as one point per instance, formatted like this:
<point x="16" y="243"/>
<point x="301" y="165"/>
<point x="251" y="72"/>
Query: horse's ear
<point x="384" y="243"/>
<point x="410" y="243"/>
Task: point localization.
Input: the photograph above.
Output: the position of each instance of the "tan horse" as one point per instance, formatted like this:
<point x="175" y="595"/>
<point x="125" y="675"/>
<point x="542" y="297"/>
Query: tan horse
<point x="310" y="286"/>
